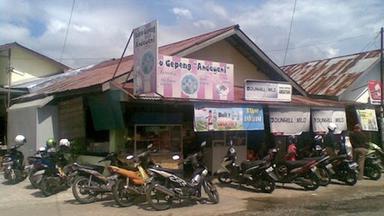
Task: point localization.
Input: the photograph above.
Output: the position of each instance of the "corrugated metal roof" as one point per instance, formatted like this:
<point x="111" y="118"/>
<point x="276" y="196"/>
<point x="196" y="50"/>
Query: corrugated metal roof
<point x="103" y="72"/>
<point x="331" y="77"/>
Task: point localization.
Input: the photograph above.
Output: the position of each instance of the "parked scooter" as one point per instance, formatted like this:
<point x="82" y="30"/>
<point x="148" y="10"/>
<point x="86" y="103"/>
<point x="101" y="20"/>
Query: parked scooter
<point x="168" y="186"/>
<point x="372" y="167"/>
<point x="90" y="181"/>
<point x="37" y="163"/>
<point x="343" y="169"/>
<point x="13" y="162"/>
<point x="300" y="172"/>
<point x="258" y="174"/>
<point x="378" y="151"/>
<point x="60" y="175"/>
<point x="131" y="182"/>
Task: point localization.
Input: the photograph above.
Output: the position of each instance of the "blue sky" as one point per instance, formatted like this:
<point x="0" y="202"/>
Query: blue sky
<point x="99" y="28"/>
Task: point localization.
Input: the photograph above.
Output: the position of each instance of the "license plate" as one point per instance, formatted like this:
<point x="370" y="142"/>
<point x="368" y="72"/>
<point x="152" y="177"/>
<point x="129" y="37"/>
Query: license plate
<point x="329" y="166"/>
<point x="270" y="169"/>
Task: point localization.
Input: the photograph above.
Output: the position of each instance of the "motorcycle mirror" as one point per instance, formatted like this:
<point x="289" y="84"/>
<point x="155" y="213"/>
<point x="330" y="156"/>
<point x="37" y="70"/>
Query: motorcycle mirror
<point x="175" y="157"/>
<point x="203" y="144"/>
<point x="150" y="146"/>
<point x="129" y="157"/>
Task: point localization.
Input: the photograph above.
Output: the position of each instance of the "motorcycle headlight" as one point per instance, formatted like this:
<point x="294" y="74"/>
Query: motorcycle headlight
<point x="205" y="172"/>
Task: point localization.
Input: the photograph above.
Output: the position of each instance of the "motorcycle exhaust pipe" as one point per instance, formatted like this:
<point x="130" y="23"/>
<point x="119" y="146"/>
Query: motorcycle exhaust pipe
<point x="164" y="190"/>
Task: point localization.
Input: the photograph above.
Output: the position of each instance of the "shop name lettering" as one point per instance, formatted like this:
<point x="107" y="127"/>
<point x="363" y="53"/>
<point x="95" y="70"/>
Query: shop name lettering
<point x="147" y="35"/>
<point x="288" y="120"/>
<point x="188" y="66"/>
<point x="328" y="120"/>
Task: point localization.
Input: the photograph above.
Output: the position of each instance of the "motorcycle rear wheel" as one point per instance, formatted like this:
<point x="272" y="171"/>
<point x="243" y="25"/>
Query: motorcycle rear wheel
<point x="267" y="185"/>
<point x="80" y="191"/>
<point x="120" y="194"/>
<point x="224" y="178"/>
<point x="157" y="199"/>
<point x="211" y="191"/>
<point x="372" y="172"/>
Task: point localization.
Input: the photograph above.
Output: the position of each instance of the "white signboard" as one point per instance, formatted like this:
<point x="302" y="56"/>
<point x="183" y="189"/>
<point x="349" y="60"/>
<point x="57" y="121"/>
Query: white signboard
<point x="145" y="58"/>
<point x="322" y="117"/>
<point x="289" y="121"/>
<point x="367" y="119"/>
<point x="267" y="91"/>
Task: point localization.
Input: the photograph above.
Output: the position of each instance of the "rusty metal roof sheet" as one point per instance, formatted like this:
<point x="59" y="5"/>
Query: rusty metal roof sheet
<point x="331" y="77"/>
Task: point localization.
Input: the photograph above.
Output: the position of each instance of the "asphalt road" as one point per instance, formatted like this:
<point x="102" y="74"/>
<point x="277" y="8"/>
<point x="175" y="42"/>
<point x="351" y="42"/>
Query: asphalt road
<point x="365" y="198"/>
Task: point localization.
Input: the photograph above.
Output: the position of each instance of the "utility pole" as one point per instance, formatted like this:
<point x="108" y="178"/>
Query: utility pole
<point x="382" y="89"/>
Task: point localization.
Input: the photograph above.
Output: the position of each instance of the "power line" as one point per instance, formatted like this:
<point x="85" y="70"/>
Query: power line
<point x="289" y="34"/>
<point x="370" y="43"/>
<point x="67" y="30"/>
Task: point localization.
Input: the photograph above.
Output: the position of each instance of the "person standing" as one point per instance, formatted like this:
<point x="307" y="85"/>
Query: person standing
<point x="330" y="141"/>
<point x="359" y="145"/>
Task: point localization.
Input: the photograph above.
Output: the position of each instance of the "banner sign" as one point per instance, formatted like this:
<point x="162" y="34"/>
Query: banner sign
<point x="374" y="88"/>
<point x="228" y="119"/>
<point x="258" y="90"/>
<point x="322" y="117"/>
<point x="145" y="58"/>
<point x="367" y="119"/>
<point x="289" y="121"/>
<point x="190" y="78"/>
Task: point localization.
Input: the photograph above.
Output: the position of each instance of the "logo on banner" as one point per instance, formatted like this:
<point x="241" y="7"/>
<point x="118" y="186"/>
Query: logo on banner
<point x="191" y="78"/>
<point x="145" y="58"/>
<point x="267" y="91"/>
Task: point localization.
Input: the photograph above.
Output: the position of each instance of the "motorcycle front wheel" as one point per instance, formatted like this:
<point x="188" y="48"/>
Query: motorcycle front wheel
<point x="120" y="194"/>
<point x="267" y="185"/>
<point x="81" y="191"/>
<point x="224" y="177"/>
<point x="211" y="191"/>
<point x="325" y="178"/>
<point x="34" y="178"/>
<point x="372" y="172"/>
<point x="157" y="199"/>
<point x="350" y="178"/>
<point x="314" y="182"/>
<point x="45" y="187"/>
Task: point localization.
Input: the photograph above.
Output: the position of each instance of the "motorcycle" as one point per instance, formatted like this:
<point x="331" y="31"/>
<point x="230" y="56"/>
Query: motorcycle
<point x="58" y="174"/>
<point x="37" y="163"/>
<point x="131" y="181"/>
<point x="375" y="149"/>
<point x="13" y="165"/>
<point x="343" y="169"/>
<point x="90" y="181"/>
<point x="255" y="173"/>
<point x="372" y="167"/>
<point x="168" y="186"/>
<point x="300" y="172"/>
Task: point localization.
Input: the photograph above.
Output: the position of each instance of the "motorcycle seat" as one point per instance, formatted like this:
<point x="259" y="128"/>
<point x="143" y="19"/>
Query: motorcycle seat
<point x="91" y="167"/>
<point x="313" y="158"/>
<point x="295" y="164"/>
<point x="177" y="172"/>
<point x="249" y="164"/>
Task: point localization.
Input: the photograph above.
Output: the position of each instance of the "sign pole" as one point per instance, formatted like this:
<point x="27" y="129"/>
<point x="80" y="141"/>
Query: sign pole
<point x="382" y="90"/>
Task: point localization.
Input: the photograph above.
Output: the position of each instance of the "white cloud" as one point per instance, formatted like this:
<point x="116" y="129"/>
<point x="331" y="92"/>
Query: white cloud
<point x="82" y="28"/>
<point x="204" y="24"/>
<point x="182" y="12"/>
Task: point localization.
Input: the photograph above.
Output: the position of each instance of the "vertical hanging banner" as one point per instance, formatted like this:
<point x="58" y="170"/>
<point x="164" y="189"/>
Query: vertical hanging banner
<point x="191" y="78"/>
<point x="367" y="119"/>
<point x="228" y="119"/>
<point x="374" y="88"/>
<point x="322" y="117"/>
<point x="145" y="58"/>
<point x="289" y="121"/>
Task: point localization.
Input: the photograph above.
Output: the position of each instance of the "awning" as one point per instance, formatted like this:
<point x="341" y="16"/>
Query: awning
<point x="35" y="103"/>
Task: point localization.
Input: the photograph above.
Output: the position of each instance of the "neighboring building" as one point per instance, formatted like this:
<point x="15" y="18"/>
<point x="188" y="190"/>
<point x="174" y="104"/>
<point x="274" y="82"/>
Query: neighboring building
<point x="100" y="113"/>
<point x="344" y="78"/>
<point x="24" y="65"/>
